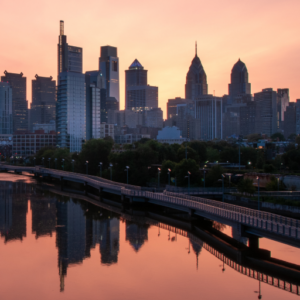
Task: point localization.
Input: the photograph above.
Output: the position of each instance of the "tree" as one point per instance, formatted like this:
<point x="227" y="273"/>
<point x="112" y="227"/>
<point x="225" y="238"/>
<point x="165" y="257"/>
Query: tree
<point x="274" y="185"/>
<point x="292" y="137"/>
<point x="213" y="175"/>
<point x="167" y="164"/>
<point x="253" y="137"/>
<point x="269" y="168"/>
<point x="191" y="153"/>
<point x="277" y="136"/>
<point x="297" y="140"/>
<point x="200" y="148"/>
<point x="213" y="154"/>
<point x="182" y="169"/>
<point x="246" y="186"/>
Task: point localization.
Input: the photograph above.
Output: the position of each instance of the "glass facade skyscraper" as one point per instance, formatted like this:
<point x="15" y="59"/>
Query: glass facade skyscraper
<point x="19" y="102"/>
<point x="6" y="120"/>
<point x="71" y="111"/>
<point x="43" y="104"/>
<point x="196" y="83"/>
<point x="109" y="66"/>
<point x="69" y="57"/>
<point x="139" y="96"/>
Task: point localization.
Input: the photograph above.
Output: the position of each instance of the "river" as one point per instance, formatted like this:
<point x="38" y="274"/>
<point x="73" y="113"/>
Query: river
<point x="54" y="246"/>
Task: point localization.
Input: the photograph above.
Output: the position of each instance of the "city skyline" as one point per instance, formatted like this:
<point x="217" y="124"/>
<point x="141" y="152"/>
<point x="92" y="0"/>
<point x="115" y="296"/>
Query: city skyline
<point x="270" y="52"/>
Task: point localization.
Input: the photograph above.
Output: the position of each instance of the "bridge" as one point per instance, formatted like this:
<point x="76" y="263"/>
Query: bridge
<point x="277" y="273"/>
<point x="250" y="223"/>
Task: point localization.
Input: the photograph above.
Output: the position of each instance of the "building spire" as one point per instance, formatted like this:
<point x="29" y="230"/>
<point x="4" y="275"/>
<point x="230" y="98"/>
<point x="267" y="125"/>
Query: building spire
<point x="196" y="48"/>
<point x="61" y="27"/>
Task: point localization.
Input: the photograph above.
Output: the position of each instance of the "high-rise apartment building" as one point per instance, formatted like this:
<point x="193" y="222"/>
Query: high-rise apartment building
<point x="69" y="58"/>
<point x="266" y="111"/>
<point x="196" y="82"/>
<point x="19" y="102"/>
<point x="43" y="105"/>
<point x="208" y="109"/>
<point x="139" y="95"/>
<point x="71" y="111"/>
<point x="239" y="80"/>
<point x="6" y="119"/>
<point x="109" y="66"/>
<point x="172" y="106"/>
<point x="283" y="100"/>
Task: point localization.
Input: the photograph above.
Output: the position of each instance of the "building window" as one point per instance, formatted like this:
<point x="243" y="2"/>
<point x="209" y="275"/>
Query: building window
<point x="115" y="66"/>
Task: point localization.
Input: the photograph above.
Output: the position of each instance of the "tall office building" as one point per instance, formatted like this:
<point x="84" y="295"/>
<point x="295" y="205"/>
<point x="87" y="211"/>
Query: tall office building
<point x="19" y="102"/>
<point x="290" y="120"/>
<point x="247" y="118"/>
<point x="109" y="66"/>
<point x="43" y="105"/>
<point x="239" y="80"/>
<point x="283" y="100"/>
<point x="136" y="234"/>
<point x="94" y="82"/>
<point x="196" y="82"/>
<point x="209" y="110"/>
<point x="266" y="111"/>
<point x="71" y="111"/>
<point x="6" y="120"/>
<point x="172" y="106"/>
<point x="69" y="58"/>
<point x="298" y="116"/>
<point x="139" y="96"/>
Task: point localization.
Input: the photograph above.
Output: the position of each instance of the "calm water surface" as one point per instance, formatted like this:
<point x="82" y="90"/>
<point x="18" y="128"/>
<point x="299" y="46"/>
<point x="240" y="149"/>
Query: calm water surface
<point x="57" y="247"/>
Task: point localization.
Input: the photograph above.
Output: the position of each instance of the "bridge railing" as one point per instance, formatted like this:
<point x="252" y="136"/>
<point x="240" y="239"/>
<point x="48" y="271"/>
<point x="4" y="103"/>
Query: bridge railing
<point x="200" y="190"/>
<point x="243" y="210"/>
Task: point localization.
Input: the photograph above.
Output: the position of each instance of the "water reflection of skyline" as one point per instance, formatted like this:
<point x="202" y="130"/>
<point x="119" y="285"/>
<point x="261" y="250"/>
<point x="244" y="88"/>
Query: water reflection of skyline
<point x="79" y="226"/>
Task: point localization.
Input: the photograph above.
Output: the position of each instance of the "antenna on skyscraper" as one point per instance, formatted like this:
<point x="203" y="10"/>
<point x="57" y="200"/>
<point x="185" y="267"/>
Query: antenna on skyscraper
<point x="196" y="48"/>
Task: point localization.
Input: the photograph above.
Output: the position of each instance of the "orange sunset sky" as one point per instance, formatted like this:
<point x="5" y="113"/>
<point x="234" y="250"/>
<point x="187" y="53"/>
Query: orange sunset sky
<point x="161" y="35"/>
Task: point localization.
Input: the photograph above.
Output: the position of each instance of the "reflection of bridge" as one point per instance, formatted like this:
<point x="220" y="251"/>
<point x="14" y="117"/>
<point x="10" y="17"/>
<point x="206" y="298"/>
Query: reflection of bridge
<point x="248" y="221"/>
<point x="274" y="272"/>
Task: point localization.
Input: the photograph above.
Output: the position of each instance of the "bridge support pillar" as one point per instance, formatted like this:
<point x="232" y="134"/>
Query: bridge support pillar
<point x="253" y="242"/>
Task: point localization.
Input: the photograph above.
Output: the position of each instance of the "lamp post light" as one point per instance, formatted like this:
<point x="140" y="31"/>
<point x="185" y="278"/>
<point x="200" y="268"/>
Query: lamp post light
<point x="34" y="161"/>
<point x="158" y="174"/>
<point x="73" y="161"/>
<point x="110" y="167"/>
<point x="100" y="166"/>
<point x="55" y="163"/>
<point x="257" y="191"/>
<point x="43" y="159"/>
<point x="223" y="176"/>
<point x="63" y="164"/>
<point x="49" y="160"/>
<point x="188" y="177"/>
<point x="87" y="167"/>
<point x="249" y="163"/>
<point x="278" y="184"/>
<point x="126" y="170"/>
<point x="169" y="174"/>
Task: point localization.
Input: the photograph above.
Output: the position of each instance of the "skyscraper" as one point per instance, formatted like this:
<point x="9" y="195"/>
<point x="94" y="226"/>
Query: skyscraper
<point x="196" y="83"/>
<point x="6" y="120"/>
<point x="266" y="111"/>
<point x="19" y="102"/>
<point x="239" y="80"/>
<point x="69" y="58"/>
<point x="283" y="100"/>
<point x="70" y="111"/>
<point x="94" y="81"/>
<point x="298" y="116"/>
<point x="109" y="66"/>
<point x="139" y="95"/>
<point x="290" y="120"/>
<point x="43" y="106"/>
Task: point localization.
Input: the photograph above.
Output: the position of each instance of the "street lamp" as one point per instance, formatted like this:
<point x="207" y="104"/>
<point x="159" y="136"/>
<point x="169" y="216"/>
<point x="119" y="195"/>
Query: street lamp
<point x="223" y="176"/>
<point x="258" y="190"/>
<point x="169" y="174"/>
<point x="100" y="166"/>
<point x="55" y="163"/>
<point x="110" y="167"/>
<point x="49" y="159"/>
<point x="73" y="161"/>
<point x="34" y="161"/>
<point x="43" y="159"/>
<point x="249" y="163"/>
<point x="158" y="169"/>
<point x="87" y="167"/>
<point x="278" y="184"/>
<point x="126" y="170"/>
<point x="63" y="164"/>
<point x="188" y="177"/>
